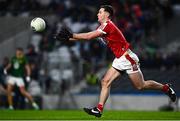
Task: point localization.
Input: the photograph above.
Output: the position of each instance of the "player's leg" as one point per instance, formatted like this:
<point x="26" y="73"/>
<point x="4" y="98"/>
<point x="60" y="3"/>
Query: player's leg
<point x="110" y="75"/>
<point x="2" y="89"/>
<point x="28" y="96"/>
<point x="108" y="78"/>
<point x="20" y="84"/>
<point x="9" y="95"/>
<point x="137" y="78"/>
<point x="10" y="86"/>
<point x="139" y="82"/>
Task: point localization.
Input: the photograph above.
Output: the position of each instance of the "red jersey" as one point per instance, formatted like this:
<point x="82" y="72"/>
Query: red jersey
<point x="114" y="38"/>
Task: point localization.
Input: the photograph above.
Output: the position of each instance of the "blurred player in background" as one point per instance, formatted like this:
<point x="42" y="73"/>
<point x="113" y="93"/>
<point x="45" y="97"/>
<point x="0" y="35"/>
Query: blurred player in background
<point x="18" y="68"/>
<point x="2" y="81"/>
<point x="125" y="59"/>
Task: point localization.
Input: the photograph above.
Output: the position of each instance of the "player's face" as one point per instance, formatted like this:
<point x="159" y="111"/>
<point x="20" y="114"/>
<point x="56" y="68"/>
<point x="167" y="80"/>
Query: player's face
<point x="19" y="54"/>
<point x="102" y="15"/>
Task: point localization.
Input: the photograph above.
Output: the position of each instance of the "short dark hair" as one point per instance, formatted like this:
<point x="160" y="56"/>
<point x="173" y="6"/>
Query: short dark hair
<point x="19" y="49"/>
<point x="109" y="9"/>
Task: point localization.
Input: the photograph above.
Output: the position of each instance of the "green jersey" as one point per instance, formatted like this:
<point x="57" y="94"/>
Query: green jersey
<point x="18" y="66"/>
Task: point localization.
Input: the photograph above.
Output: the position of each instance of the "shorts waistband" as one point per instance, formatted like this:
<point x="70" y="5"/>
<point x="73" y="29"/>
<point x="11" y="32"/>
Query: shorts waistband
<point x="127" y="52"/>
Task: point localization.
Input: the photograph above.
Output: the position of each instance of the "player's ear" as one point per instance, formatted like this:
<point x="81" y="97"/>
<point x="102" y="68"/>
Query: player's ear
<point x="107" y="14"/>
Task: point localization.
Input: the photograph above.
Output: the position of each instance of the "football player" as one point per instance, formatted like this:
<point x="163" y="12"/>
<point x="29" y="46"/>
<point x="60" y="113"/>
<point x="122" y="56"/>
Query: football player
<point x="125" y="59"/>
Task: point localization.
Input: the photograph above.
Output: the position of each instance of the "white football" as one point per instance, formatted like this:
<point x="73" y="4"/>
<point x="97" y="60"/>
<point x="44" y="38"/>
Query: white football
<point x="38" y="24"/>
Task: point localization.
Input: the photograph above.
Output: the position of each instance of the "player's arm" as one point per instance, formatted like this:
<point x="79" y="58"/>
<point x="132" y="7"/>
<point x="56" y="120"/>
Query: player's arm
<point x="7" y="68"/>
<point x="28" y="69"/>
<point x="72" y="39"/>
<point x="28" y="72"/>
<point x="65" y="35"/>
<point x="86" y="36"/>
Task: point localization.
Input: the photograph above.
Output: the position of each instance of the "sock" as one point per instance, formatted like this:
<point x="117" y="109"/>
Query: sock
<point x="100" y="107"/>
<point x="11" y="107"/>
<point x="165" y="88"/>
<point x="35" y="106"/>
<point x="33" y="103"/>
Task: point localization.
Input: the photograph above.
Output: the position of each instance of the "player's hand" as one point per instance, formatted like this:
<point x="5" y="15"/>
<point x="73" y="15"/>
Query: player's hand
<point x="28" y="78"/>
<point x="63" y="35"/>
<point x="5" y="72"/>
<point x="65" y="31"/>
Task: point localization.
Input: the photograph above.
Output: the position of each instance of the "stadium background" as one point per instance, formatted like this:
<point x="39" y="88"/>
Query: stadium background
<point x="65" y="75"/>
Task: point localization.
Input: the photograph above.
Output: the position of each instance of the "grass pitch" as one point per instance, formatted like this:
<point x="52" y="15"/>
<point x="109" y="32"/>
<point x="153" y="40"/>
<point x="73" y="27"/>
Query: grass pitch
<point x="80" y="115"/>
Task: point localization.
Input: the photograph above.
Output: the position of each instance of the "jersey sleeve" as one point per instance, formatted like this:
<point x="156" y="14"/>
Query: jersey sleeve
<point x="11" y="61"/>
<point x="104" y="28"/>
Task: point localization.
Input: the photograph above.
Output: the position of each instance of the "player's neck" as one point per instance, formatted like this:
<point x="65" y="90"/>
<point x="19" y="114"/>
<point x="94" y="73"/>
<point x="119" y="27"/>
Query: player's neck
<point x="105" y="20"/>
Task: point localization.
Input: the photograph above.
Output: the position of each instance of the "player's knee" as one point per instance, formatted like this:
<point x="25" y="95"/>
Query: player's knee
<point x="9" y="91"/>
<point x="140" y="87"/>
<point x="23" y="92"/>
<point x="104" y="83"/>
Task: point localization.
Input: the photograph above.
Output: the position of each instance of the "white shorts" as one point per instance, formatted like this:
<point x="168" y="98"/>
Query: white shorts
<point x="15" y="80"/>
<point x="128" y="62"/>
